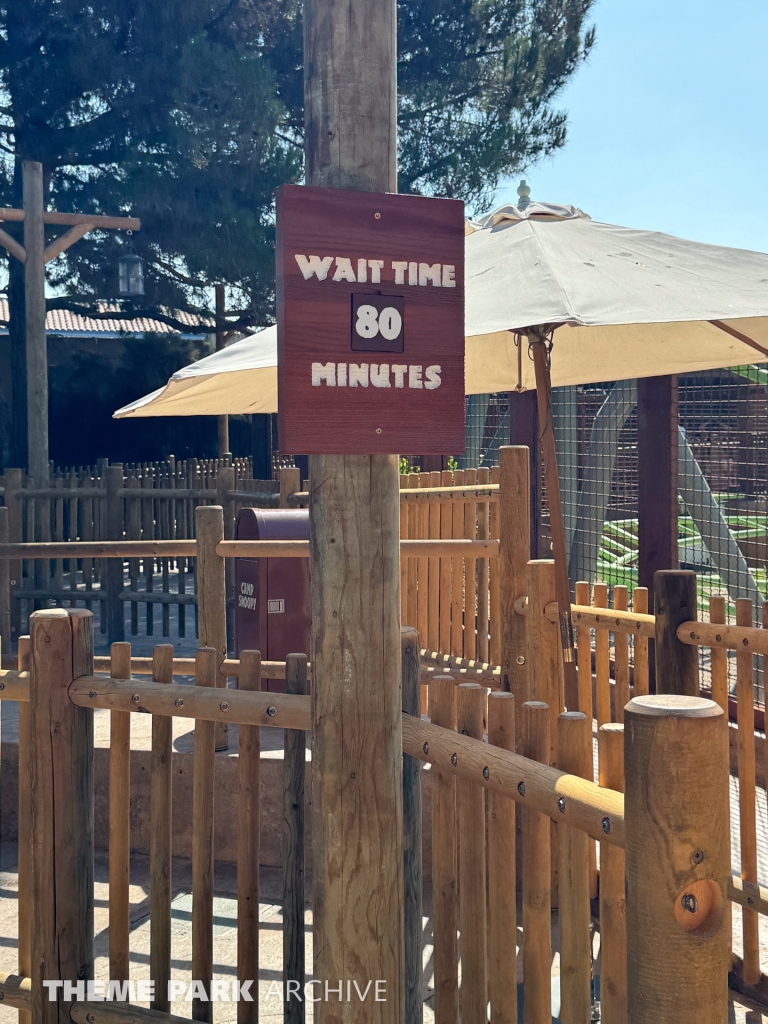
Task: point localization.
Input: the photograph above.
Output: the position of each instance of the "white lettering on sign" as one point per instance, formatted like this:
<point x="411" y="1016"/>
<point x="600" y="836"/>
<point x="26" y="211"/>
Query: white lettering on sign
<point x="439" y="275"/>
<point x="370" y="323"/>
<point x="378" y="374"/>
<point x="249" y="603"/>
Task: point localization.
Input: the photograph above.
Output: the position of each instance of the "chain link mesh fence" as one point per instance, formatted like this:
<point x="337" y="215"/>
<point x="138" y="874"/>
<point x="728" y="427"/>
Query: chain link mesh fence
<point x="722" y="481"/>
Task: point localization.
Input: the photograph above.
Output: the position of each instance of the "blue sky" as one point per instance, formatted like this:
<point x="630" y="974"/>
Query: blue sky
<point x="668" y="122"/>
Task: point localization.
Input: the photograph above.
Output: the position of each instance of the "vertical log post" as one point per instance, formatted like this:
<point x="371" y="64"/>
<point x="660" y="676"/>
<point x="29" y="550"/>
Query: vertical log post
<point x="584" y="654"/>
<point x="294" y="766"/>
<point x="718" y="655"/>
<point x="290" y="483"/>
<point x="36" y="340"/>
<point x="640" y="644"/>
<point x="24" y="662"/>
<point x="621" y="657"/>
<point x="473" y="995"/>
<point x="160" y="817"/>
<point x="212" y="595"/>
<point x="350" y="82"/>
<point x="119" y="824"/>
<point x="657" y="441"/>
<point x="678" y="860"/>
<point x="248" y="841"/>
<point x="12" y="481"/>
<point x="115" y="613"/>
<point x="202" y="841"/>
<point x="574" y="757"/>
<point x="602" y="660"/>
<point x="745" y="712"/>
<point x="5" y="588"/>
<point x="442" y="708"/>
<point x="537" y="892"/>
<point x="677" y="664"/>
<point x="61" y="798"/>
<point x="412" y="882"/>
<point x="225" y="483"/>
<point x="613" y="904"/>
<point x="546" y="683"/>
<point x="502" y="903"/>
<point x="514" y="546"/>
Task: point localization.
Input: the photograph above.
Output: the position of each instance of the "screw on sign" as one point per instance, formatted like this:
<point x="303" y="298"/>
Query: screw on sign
<point x="370" y="316"/>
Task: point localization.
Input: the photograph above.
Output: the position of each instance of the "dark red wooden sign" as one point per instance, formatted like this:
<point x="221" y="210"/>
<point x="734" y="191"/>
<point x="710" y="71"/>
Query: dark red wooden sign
<point x="370" y="322"/>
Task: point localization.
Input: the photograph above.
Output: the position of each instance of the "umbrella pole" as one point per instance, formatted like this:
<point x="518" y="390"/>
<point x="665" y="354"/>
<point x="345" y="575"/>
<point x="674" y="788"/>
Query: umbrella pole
<point x="552" y="477"/>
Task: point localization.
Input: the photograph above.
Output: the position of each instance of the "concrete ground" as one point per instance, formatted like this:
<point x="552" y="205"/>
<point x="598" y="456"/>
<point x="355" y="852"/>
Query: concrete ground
<point x="225" y="938"/>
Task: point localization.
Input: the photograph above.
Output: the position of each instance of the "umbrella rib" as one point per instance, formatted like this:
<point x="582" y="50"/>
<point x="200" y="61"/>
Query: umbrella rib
<point x="739" y="336"/>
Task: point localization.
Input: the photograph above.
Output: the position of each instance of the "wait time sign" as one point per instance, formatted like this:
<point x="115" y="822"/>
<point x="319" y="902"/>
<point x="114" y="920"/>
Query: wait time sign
<point x="370" y="322"/>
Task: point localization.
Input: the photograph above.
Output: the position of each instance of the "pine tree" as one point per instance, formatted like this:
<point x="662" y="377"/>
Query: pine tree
<point x="188" y="114"/>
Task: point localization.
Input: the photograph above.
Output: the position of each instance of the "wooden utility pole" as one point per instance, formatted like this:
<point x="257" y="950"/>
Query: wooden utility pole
<point x="34" y="254"/>
<point x="222" y="422"/>
<point x="350" y="98"/>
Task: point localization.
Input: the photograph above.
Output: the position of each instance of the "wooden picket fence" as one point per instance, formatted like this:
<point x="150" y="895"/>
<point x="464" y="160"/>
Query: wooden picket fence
<point x="542" y="759"/>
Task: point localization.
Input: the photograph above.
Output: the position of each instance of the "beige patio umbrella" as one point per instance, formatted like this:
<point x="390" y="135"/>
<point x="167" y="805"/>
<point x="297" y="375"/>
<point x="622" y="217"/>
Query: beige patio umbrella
<point x="553" y="297"/>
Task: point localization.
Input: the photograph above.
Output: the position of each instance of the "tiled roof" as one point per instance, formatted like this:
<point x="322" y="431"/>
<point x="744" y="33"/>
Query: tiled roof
<point x="65" y="322"/>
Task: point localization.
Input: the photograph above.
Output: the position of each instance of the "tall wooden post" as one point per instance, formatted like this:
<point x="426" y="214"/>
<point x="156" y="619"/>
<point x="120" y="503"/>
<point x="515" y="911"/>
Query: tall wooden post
<point x="414" y="1005"/>
<point x="678" y="860"/>
<point x="514" y="546"/>
<point x="34" y="298"/>
<point x="677" y="664"/>
<point x="115" y="613"/>
<point x="657" y="429"/>
<point x="61" y="799"/>
<point x="212" y="595"/>
<point x="222" y="422"/>
<point x="350" y="95"/>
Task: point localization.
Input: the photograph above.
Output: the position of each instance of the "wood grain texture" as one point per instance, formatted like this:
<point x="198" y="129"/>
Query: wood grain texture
<point x="602" y="660"/>
<point x="423" y="563"/>
<point x="584" y="654"/>
<point x="114" y="567"/>
<point x="676" y="663"/>
<point x="248" y="838"/>
<point x="470" y="799"/>
<point x="718" y="658"/>
<point x="546" y="683"/>
<point x="119" y="824"/>
<point x="412" y="863"/>
<point x="613" y="903"/>
<point x="535" y="834"/>
<point x="202" y="841"/>
<point x="442" y="706"/>
<point x="678" y="845"/>
<point x="446" y="565"/>
<point x="356" y="728"/>
<point x="433" y="598"/>
<point x="621" y="656"/>
<point x="575" y="757"/>
<point x="160" y="838"/>
<point x="276" y="710"/>
<point x="494" y="514"/>
<point x="294" y="764"/>
<point x="24" y="661"/>
<point x="470" y="575"/>
<point x="640" y="644"/>
<point x="537" y="348"/>
<point x="502" y="904"/>
<point x="483" y="574"/>
<point x="457" y="574"/>
<point x="315" y="321"/>
<point x="212" y="593"/>
<point x="745" y="698"/>
<point x="61" y="799"/>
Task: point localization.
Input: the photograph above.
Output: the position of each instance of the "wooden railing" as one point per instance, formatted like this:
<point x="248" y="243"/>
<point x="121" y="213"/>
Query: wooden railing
<point x="678" y="955"/>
